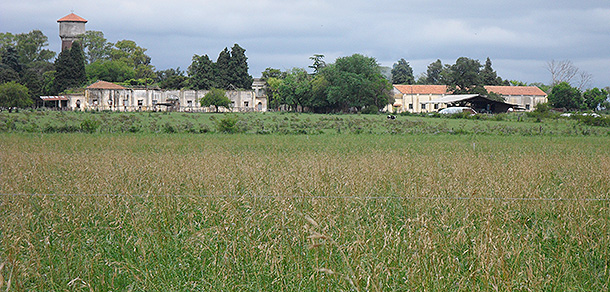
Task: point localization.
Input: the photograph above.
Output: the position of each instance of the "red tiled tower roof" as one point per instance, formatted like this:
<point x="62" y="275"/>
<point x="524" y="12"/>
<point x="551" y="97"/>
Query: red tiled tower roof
<point x="72" y="18"/>
<point x="422" y="89"/>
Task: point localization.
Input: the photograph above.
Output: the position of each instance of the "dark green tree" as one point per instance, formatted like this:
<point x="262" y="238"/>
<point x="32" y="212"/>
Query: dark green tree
<point x="215" y="97"/>
<point x="463" y="77"/>
<point x="594" y="98"/>
<point x="13" y="94"/>
<point x="70" y="68"/>
<point x="489" y="76"/>
<point x="171" y="79"/>
<point x="565" y="96"/>
<point x="78" y="58"/>
<point x="238" y="68"/>
<point x="10" y="59"/>
<point x="273" y="73"/>
<point x="356" y="82"/>
<point x="433" y="73"/>
<point x="201" y="72"/>
<point x="221" y="70"/>
<point x="402" y="73"/>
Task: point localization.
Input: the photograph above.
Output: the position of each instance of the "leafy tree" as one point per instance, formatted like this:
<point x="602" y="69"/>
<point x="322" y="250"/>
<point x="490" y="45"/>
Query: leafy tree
<point x="13" y="94"/>
<point x="30" y="47"/>
<point x="70" y="68"/>
<point x="594" y="98"/>
<point x="565" y="96"/>
<point x="356" y="82"/>
<point x="130" y="53"/>
<point x="111" y="71"/>
<point x="463" y="77"/>
<point x="273" y="73"/>
<point x="318" y="63"/>
<point x="433" y="73"/>
<point x="274" y="98"/>
<point x="295" y="89"/>
<point x="171" y="79"/>
<point x="96" y="46"/>
<point x="7" y="39"/>
<point x="201" y="73"/>
<point x="402" y="73"/>
<point x="238" y="68"/>
<point x="221" y="69"/>
<point x="215" y="97"/>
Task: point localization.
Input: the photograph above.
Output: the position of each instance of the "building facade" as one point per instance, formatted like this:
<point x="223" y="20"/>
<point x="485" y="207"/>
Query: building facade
<point x="415" y="98"/>
<point x="107" y="96"/>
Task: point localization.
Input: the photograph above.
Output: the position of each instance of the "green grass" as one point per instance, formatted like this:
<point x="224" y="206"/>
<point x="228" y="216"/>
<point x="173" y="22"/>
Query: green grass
<point x="324" y="212"/>
<point x="519" y="124"/>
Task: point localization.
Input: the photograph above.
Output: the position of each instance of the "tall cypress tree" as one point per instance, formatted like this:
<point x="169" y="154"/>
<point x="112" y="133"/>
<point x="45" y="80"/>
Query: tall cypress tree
<point x="78" y="59"/>
<point x="222" y="70"/>
<point x="238" y="68"/>
<point x="70" y="68"/>
<point x="202" y="74"/>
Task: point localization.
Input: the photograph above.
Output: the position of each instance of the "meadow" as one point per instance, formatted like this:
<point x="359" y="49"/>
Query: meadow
<point x="330" y="203"/>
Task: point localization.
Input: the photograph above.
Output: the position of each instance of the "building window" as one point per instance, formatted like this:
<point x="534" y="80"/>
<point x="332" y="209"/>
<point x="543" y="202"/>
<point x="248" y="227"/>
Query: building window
<point x="245" y="104"/>
<point x="423" y="106"/>
<point x="436" y="106"/>
<point x="95" y="102"/>
<point x="189" y="103"/>
<point x="410" y="106"/>
<point x="78" y="103"/>
<point x="527" y="107"/>
<point x="154" y="102"/>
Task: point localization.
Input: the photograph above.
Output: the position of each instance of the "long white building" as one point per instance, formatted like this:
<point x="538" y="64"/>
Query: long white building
<point x="104" y="95"/>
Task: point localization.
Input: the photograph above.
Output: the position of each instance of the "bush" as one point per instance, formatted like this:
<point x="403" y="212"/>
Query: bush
<point x="230" y="124"/>
<point x="89" y="126"/>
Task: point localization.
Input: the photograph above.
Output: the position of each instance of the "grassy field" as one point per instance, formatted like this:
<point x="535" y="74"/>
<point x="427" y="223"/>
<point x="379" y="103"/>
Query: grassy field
<point x="339" y="210"/>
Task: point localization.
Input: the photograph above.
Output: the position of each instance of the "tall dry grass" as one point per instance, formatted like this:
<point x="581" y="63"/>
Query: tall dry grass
<point x="327" y="212"/>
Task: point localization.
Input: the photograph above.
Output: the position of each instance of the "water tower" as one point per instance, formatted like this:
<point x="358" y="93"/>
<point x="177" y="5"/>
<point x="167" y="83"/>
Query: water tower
<point x="70" y="27"/>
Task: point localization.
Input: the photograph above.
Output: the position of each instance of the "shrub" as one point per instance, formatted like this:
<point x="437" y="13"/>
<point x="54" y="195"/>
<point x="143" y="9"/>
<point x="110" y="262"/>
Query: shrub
<point x="89" y="126"/>
<point x="230" y="124"/>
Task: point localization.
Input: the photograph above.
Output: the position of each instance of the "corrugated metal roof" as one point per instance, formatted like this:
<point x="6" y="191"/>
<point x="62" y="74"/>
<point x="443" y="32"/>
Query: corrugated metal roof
<point x="54" y="98"/>
<point x="451" y="98"/>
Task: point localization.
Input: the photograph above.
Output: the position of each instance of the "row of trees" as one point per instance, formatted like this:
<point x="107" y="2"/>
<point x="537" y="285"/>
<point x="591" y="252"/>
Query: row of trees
<point x="353" y="83"/>
<point x="228" y="72"/>
<point x="466" y="76"/>
<point x="563" y="95"/>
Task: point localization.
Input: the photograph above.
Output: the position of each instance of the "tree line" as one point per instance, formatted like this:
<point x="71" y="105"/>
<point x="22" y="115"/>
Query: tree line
<point x="351" y="83"/>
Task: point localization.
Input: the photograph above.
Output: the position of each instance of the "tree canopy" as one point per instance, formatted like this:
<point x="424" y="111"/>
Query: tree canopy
<point x="215" y="97"/>
<point x="70" y="68"/>
<point x="402" y="73"/>
<point x="13" y="94"/>
<point x="565" y="96"/>
<point x="229" y="71"/>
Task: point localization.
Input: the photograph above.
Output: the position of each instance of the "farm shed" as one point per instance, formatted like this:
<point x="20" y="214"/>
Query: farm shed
<point x="478" y="102"/>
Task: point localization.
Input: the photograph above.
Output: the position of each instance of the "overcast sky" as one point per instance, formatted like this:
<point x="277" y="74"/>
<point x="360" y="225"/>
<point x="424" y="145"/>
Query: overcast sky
<point x="519" y="36"/>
